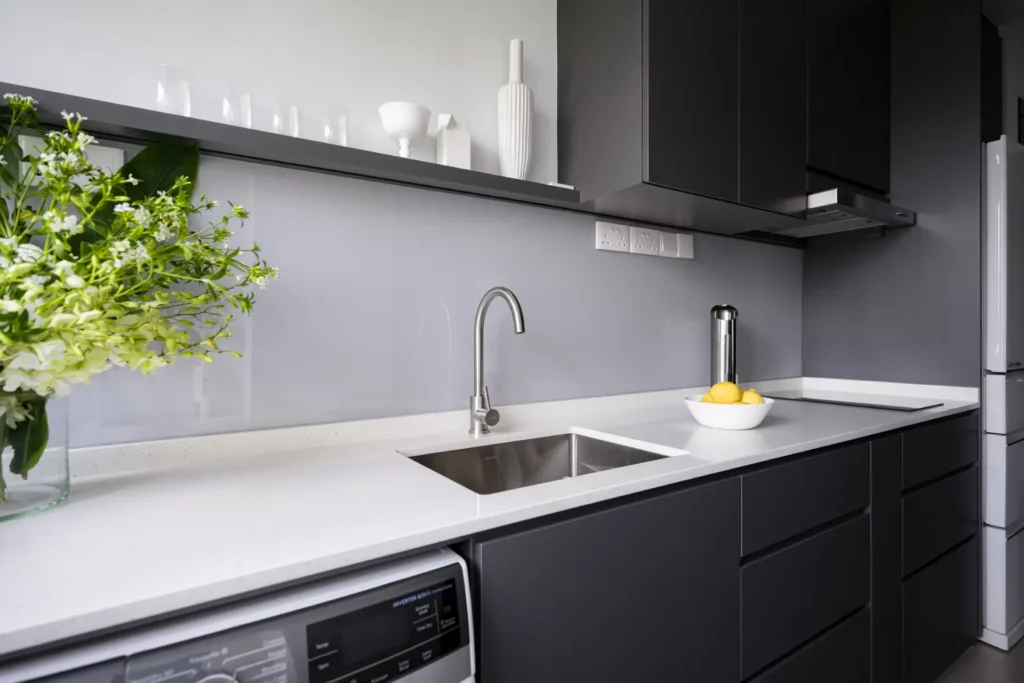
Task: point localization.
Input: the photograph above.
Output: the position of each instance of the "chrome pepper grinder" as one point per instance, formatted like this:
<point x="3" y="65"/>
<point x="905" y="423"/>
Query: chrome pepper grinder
<point x="723" y="344"/>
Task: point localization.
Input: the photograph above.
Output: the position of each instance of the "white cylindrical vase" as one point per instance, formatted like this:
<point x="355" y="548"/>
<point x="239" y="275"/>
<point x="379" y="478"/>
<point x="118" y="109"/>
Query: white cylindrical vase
<point x="515" y="118"/>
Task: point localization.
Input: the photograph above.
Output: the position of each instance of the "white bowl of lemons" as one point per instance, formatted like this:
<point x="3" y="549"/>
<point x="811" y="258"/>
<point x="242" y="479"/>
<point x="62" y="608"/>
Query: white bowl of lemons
<point x="727" y="406"/>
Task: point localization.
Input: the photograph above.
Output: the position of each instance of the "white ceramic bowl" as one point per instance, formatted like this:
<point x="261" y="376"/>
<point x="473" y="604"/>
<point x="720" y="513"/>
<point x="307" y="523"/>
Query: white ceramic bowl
<point x="729" y="415"/>
<point x="404" y="122"/>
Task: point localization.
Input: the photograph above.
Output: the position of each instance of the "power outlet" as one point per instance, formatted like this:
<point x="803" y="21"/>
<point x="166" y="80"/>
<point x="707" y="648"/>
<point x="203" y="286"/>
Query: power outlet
<point x="644" y="241"/>
<point x="676" y="245"/>
<point x="612" y="236"/>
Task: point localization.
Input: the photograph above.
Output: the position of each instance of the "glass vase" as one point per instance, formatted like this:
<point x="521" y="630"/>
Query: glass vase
<point x="34" y="458"/>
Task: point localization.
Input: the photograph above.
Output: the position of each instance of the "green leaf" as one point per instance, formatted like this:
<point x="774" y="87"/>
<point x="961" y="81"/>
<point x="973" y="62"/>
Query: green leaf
<point x="29" y="439"/>
<point x="3" y="445"/>
<point x="12" y="155"/>
<point x="157" y="168"/>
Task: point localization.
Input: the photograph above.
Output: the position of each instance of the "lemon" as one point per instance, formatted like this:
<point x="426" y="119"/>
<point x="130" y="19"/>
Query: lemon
<point x="706" y="398"/>
<point x="726" y="392"/>
<point x="751" y="396"/>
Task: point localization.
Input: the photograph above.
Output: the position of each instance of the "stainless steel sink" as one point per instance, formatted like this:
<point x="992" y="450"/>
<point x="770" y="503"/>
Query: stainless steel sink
<point x="492" y="468"/>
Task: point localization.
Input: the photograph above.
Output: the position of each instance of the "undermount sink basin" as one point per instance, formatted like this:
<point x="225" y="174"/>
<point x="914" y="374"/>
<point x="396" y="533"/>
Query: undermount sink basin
<point x="492" y="468"/>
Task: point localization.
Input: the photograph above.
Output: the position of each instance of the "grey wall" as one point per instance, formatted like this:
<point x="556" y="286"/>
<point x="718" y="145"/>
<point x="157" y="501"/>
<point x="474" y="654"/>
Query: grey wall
<point x="373" y="312"/>
<point x="907" y="308"/>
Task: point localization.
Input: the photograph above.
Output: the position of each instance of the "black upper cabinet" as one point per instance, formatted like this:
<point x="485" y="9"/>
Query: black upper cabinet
<point x="685" y="112"/>
<point x="692" y="105"/>
<point x="773" y="109"/>
<point x="848" y="91"/>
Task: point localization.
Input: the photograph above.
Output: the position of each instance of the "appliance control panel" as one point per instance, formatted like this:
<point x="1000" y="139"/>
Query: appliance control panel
<point x="415" y="628"/>
<point x="262" y="655"/>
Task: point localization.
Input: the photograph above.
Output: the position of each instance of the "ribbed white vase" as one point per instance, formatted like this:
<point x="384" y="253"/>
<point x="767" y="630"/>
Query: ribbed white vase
<point x="515" y="118"/>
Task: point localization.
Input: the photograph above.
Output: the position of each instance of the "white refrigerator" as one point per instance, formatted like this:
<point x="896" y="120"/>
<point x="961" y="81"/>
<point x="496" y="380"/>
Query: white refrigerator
<point x="1003" y="399"/>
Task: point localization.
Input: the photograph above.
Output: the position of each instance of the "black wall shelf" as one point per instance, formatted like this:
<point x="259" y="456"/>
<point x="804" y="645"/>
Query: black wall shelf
<point x="134" y="124"/>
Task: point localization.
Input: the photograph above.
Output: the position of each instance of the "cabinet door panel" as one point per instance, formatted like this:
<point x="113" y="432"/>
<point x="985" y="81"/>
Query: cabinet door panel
<point x="793" y="594"/>
<point x="773" y="104"/>
<point x="691" y="65"/>
<point x="934" y="449"/>
<point x="785" y="500"/>
<point x="938" y="517"/>
<point x="843" y="655"/>
<point x="848" y="90"/>
<point x="941" y="613"/>
<point x="628" y="594"/>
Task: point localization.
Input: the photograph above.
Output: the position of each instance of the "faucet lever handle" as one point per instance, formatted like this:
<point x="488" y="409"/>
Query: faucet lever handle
<point x="487" y="398"/>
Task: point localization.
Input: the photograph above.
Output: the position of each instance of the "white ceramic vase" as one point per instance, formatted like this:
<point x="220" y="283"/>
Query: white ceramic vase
<point x="515" y="118"/>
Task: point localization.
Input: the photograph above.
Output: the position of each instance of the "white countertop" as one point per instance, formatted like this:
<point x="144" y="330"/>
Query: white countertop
<point x="156" y="528"/>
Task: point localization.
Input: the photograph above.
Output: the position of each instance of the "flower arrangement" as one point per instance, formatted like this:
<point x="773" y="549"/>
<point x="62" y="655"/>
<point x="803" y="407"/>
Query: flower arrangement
<point x="104" y="269"/>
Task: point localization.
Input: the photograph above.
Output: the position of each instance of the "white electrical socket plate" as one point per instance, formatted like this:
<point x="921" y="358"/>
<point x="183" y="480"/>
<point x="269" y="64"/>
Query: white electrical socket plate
<point x="612" y="236"/>
<point x="636" y="240"/>
<point x="685" y="246"/>
<point x="644" y="241"/>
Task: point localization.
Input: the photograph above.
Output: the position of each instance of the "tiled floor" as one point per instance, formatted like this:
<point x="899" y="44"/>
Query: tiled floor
<point x="986" y="664"/>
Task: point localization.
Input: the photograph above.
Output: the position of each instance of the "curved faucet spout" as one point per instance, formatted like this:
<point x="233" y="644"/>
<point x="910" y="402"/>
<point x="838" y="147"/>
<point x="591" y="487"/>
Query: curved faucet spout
<point x="483" y="415"/>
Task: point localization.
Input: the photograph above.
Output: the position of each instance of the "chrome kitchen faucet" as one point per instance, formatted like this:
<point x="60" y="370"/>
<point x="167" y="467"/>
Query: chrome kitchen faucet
<point x="481" y="415"/>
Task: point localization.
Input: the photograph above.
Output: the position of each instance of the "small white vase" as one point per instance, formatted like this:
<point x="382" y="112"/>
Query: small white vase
<point x="515" y="118"/>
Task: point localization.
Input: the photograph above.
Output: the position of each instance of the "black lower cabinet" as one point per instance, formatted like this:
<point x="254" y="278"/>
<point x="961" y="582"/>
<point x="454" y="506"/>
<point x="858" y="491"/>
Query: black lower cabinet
<point x="841" y="655"/>
<point x="795" y="593"/>
<point x="855" y="564"/>
<point x="941" y="616"/>
<point x="646" y="591"/>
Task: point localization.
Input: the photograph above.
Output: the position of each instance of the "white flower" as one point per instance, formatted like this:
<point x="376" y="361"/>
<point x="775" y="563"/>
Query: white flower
<point x="3" y="162"/>
<point x="48" y="164"/>
<point x="40" y="280"/>
<point x="15" y="380"/>
<point x="33" y="317"/>
<point x="122" y="207"/>
<point x="84" y="139"/>
<point x="13" y="411"/>
<point x="120" y="245"/>
<point x="64" y="268"/>
<point x="27" y="253"/>
<point x="132" y="180"/>
<point x="74" y="281"/>
<point x="139" y="253"/>
<point x="74" y="115"/>
<point x="141" y="215"/>
<point x="56" y="223"/>
<point x="8" y="242"/>
<point x="8" y="305"/>
<point x="5" y="263"/>
<point x="15" y="97"/>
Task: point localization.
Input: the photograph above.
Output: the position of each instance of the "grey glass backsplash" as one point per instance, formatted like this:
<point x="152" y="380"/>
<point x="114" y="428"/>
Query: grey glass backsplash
<point x="373" y="313"/>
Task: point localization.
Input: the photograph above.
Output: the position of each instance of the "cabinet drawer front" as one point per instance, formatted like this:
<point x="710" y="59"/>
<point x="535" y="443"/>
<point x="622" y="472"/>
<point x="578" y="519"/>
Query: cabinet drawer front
<point x="1004" y="403"/>
<point x="938" y="517"/>
<point x="940" y="614"/>
<point x="796" y="593"/>
<point x="935" y="449"/>
<point x="843" y="655"/>
<point x="1003" y="481"/>
<point x="786" y="500"/>
<point x="1004" y="580"/>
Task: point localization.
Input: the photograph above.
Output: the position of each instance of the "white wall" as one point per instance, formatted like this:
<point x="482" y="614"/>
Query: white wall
<point x="449" y="55"/>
